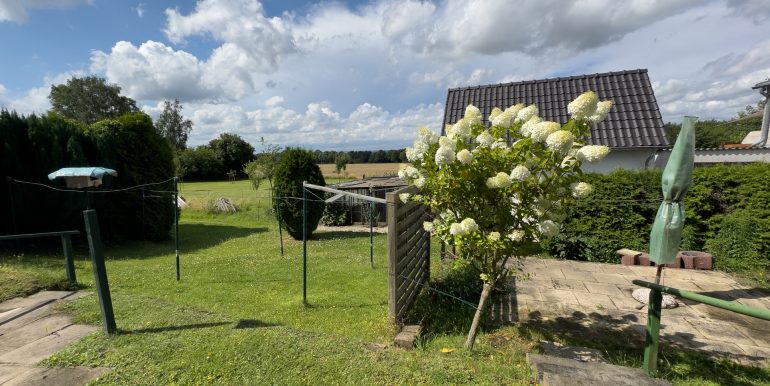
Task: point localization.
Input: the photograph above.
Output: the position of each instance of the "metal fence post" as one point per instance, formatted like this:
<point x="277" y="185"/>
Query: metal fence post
<point x="304" y="243"/>
<point x="69" y="263"/>
<point x="100" y="271"/>
<point x="176" y="224"/>
<point x="653" y="332"/>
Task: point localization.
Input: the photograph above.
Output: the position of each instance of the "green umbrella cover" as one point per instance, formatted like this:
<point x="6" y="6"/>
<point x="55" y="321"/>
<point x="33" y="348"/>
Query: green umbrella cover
<point x="666" y="231"/>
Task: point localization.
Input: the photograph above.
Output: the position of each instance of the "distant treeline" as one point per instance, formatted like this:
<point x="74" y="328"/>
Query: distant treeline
<point x="361" y="156"/>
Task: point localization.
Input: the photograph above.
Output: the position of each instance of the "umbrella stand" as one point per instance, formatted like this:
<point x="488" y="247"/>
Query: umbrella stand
<point x="658" y="273"/>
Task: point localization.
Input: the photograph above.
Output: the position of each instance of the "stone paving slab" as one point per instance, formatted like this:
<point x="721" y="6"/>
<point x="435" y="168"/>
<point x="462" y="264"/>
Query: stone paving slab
<point x="40" y="376"/>
<point x="33" y="331"/>
<point x="597" y="295"/>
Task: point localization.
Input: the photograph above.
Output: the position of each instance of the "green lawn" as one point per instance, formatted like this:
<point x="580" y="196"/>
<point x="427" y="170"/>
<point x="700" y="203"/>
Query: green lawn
<point x="237" y="317"/>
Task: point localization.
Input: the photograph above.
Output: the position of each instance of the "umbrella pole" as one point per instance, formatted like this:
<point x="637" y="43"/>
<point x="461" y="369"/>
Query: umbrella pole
<point x="654" y="305"/>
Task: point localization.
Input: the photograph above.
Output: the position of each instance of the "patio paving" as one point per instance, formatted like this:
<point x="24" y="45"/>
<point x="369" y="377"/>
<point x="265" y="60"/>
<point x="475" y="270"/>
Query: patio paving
<point x="592" y="299"/>
<point x="30" y="331"/>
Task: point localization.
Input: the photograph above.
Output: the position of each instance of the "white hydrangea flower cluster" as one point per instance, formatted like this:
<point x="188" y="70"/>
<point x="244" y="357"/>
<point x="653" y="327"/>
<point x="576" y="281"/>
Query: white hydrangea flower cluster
<point x="548" y="228"/>
<point x="446" y="151"/>
<point x="464" y="156"/>
<point x="581" y="189"/>
<point x="495" y="112"/>
<point x="404" y="197"/>
<point x="493" y="236"/>
<point x="485" y="139"/>
<point x="520" y="173"/>
<point x="526" y="113"/>
<point x="542" y="130"/>
<point x="516" y="235"/>
<point x="526" y="128"/>
<point x="466" y="226"/>
<point x="408" y="173"/>
<point x="419" y="182"/>
<point x="506" y="118"/>
<point x="587" y="106"/>
<point x="427" y="135"/>
<point x="602" y="109"/>
<point x="560" y="141"/>
<point x="428" y="226"/>
<point x="501" y="181"/>
<point x="592" y="153"/>
<point x="473" y="115"/>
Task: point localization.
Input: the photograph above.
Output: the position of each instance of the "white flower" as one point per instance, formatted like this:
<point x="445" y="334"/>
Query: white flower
<point x="501" y="180"/>
<point x="427" y="135"/>
<point x="464" y="156"/>
<point x="516" y="236"/>
<point x="419" y="182"/>
<point x="462" y="129"/>
<point x="503" y="120"/>
<point x="548" y="228"/>
<point x="457" y="229"/>
<point x="581" y="189"/>
<point x="514" y="109"/>
<point x="542" y="130"/>
<point x="408" y="172"/>
<point x="500" y="144"/>
<point x="473" y="114"/>
<point x="592" y="153"/>
<point x="428" y="226"/>
<point x="419" y="149"/>
<point x="493" y="236"/>
<point x="410" y="155"/>
<point x="485" y="139"/>
<point x="446" y="142"/>
<point x="560" y="141"/>
<point x="447" y="215"/>
<point x="469" y="225"/>
<point x="526" y="113"/>
<point x="602" y="108"/>
<point x="495" y="112"/>
<point x="526" y="128"/>
<point x="444" y="156"/>
<point x="583" y="106"/>
<point x="520" y="172"/>
<point x="404" y="197"/>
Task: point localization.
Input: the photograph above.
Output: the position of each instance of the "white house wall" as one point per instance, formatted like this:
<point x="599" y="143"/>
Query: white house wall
<point x="632" y="159"/>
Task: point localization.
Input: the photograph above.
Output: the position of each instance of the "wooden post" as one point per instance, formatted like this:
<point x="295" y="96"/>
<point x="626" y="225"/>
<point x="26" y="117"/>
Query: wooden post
<point x="69" y="263"/>
<point x="100" y="271"/>
<point x="392" y="208"/>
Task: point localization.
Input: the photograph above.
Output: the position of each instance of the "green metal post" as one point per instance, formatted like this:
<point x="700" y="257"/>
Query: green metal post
<point x="13" y="207"/>
<point x="653" y="332"/>
<point x="69" y="263"/>
<point x="280" y="225"/>
<point x="304" y="243"/>
<point x="371" y="233"/>
<point x="176" y="225"/>
<point x="100" y="271"/>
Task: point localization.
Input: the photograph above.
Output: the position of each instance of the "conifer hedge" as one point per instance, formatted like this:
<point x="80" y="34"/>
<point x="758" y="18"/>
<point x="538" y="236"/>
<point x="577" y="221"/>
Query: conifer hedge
<point x="34" y="146"/>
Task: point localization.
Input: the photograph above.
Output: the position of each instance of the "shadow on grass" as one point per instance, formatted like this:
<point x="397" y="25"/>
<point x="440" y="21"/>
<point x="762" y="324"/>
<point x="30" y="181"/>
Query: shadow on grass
<point x="252" y="323"/>
<point x="339" y="235"/>
<point x="193" y="237"/>
<point x="172" y="328"/>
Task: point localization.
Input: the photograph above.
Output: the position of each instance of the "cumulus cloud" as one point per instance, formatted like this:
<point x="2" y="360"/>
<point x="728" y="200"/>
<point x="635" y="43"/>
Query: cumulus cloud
<point x="274" y="101"/>
<point x="256" y="40"/>
<point x="18" y="10"/>
<point x="756" y="10"/>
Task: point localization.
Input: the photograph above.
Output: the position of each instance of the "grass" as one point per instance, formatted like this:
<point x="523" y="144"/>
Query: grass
<point x="237" y="316"/>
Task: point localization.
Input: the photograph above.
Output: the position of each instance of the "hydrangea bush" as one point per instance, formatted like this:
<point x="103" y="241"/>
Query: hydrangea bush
<point x="498" y="191"/>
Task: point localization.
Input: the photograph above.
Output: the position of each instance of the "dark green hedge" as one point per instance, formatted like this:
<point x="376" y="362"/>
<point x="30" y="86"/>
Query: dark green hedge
<point x="34" y="146"/>
<point x="296" y="166"/>
<point x="621" y="211"/>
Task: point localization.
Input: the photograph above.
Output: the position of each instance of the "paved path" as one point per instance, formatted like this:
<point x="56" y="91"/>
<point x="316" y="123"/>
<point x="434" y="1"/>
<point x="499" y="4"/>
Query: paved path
<point x="31" y="331"/>
<point x="593" y="299"/>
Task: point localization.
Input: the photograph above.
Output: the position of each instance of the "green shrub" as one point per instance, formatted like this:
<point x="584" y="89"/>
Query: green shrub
<point x="296" y="166"/>
<point x="738" y="245"/>
<point x="336" y="214"/>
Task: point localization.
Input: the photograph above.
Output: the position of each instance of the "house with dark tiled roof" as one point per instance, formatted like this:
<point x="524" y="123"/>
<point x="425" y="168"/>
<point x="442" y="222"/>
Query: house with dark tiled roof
<point x="633" y="129"/>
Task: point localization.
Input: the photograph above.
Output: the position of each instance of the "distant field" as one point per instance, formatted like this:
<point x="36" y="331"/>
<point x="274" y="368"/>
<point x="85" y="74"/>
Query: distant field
<point x="359" y="170"/>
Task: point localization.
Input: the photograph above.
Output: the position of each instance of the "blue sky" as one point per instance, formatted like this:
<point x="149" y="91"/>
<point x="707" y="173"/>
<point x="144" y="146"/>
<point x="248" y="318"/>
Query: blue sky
<point x="365" y="74"/>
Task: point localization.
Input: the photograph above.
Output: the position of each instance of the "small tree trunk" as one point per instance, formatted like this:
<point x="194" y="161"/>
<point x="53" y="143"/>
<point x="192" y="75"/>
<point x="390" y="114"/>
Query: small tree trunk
<point x="477" y="318"/>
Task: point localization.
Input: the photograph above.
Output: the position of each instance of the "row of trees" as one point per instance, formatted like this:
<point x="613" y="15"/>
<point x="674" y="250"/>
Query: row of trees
<point x="361" y="156"/>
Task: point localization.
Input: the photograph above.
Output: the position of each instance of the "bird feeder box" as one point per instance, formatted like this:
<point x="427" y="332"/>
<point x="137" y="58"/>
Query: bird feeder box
<point x="79" y="178"/>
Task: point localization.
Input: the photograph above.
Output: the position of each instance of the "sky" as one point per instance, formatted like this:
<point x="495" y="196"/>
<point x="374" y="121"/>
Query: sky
<point x="363" y="75"/>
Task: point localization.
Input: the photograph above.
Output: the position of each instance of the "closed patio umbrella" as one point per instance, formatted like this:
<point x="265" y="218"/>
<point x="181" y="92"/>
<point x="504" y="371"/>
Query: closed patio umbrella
<point x="666" y="233"/>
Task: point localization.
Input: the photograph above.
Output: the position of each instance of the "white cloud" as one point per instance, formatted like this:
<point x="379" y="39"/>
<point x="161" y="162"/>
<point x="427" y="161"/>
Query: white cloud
<point x="274" y="101"/>
<point x="139" y="10"/>
<point x="256" y="40"/>
<point x="18" y="10"/>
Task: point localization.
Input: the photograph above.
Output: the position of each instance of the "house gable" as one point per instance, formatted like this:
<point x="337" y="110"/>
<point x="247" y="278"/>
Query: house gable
<point x="634" y="120"/>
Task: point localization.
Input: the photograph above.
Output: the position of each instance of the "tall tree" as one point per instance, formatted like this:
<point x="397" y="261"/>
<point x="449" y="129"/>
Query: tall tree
<point x="233" y="151"/>
<point x="89" y="99"/>
<point x="172" y="125"/>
